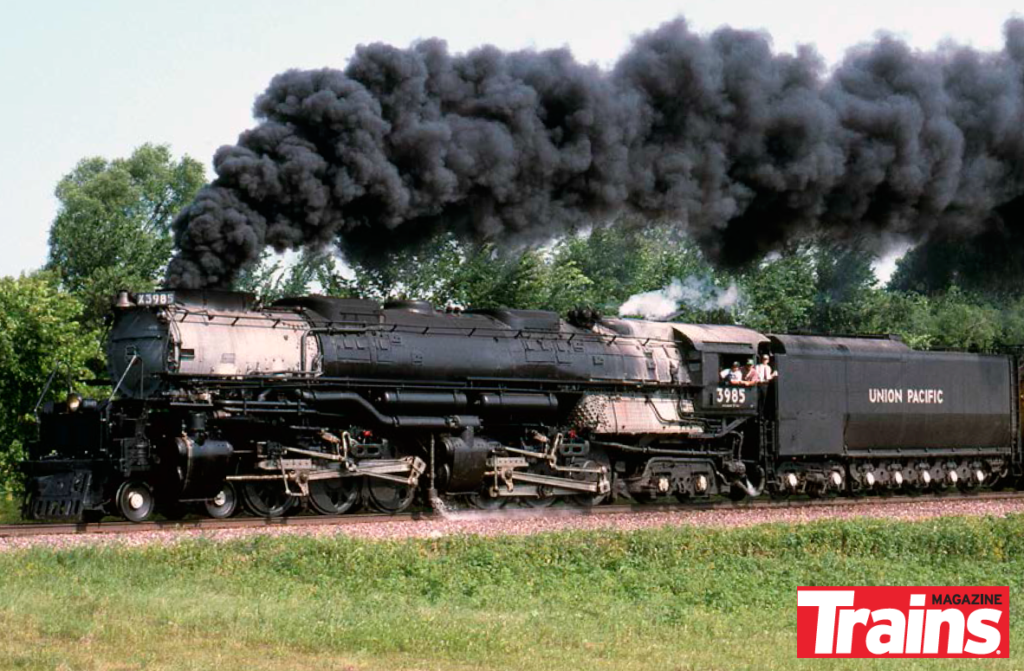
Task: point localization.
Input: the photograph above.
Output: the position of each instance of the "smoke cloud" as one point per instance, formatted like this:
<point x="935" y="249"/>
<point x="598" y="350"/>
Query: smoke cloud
<point x="693" y="292"/>
<point x="744" y="147"/>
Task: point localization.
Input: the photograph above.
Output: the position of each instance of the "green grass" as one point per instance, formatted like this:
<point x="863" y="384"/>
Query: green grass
<point x="10" y="508"/>
<point x="666" y="599"/>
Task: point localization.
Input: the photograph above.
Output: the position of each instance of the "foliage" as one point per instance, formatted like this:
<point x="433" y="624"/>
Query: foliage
<point x="676" y="598"/>
<point x="271" y="278"/>
<point x="844" y="286"/>
<point x="779" y="293"/>
<point x="40" y="330"/>
<point x="813" y="287"/>
<point x="113" y="228"/>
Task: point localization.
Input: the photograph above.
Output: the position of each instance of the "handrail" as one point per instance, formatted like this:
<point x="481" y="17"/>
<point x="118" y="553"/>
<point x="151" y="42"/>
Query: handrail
<point x="46" y="387"/>
<point x="117" y="387"/>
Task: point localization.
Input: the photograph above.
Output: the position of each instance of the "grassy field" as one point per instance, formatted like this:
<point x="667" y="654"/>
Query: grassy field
<point x="10" y="512"/>
<point x="665" y="599"/>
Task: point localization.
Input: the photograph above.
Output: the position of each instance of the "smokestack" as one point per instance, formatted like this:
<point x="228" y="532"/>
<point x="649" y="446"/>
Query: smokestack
<point x="744" y="147"/>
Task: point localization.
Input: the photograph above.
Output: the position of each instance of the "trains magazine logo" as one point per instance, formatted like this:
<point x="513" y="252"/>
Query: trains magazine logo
<point x="861" y="622"/>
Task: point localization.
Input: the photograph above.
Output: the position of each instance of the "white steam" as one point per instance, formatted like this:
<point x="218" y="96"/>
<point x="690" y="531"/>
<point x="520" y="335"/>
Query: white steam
<point x="693" y="292"/>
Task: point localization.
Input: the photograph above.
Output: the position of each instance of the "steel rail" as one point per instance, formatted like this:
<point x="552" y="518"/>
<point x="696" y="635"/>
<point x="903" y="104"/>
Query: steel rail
<point x="26" y="529"/>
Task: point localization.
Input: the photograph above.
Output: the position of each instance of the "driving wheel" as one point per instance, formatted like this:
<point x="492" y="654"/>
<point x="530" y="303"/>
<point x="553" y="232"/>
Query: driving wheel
<point x="389" y="497"/>
<point x="334" y="496"/>
<point x="267" y="498"/>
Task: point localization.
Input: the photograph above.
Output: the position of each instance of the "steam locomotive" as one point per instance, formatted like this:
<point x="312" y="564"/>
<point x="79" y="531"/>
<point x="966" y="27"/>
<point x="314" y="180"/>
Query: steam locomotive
<point x="329" y="404"/>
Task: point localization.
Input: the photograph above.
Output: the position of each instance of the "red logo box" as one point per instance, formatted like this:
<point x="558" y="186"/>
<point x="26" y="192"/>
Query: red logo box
<point x="861" y="622"/>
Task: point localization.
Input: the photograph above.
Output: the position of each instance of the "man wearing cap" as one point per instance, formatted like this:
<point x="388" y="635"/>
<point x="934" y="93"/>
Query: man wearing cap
<point x="733" y="375"/>
<point x="750" y="376"/>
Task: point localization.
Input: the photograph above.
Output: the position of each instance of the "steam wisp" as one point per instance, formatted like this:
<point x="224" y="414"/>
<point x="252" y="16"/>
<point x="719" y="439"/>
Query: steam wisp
<point x="693" y="292"/>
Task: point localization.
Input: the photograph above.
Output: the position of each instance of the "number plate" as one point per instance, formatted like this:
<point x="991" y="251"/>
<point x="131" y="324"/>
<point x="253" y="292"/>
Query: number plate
<point x="154" y="299"/>
<point x="733" y="397"/>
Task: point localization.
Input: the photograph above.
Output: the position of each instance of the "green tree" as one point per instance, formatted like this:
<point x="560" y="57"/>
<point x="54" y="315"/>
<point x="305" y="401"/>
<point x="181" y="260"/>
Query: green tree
<point x="954" y="320"/>
<point x="1012" y="327"/>
<point x="844" y="288"/>
<point x="40" y="330"/>
<point x="112" y="228"/>
<point x="273" y="278"/>
<point x="965" y="322"/>
<point x="567" y="287"/>
<point x="778" y="292"/>
<point x="628" y="258"/>
<point x="420" y="273"/>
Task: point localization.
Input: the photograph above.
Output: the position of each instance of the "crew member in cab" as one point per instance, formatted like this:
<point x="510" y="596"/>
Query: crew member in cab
<point x="750" y="374"/>
<point x="733" y="374"/>
<point x="764" y="370"/>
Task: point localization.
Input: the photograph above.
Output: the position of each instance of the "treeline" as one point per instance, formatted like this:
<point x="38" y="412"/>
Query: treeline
<point x="813" y="287"/>
<point x="113" y="231"/>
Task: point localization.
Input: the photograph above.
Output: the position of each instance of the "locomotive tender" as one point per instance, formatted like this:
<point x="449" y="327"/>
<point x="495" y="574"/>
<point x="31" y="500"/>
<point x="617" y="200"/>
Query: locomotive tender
<point x="334" y="403"/>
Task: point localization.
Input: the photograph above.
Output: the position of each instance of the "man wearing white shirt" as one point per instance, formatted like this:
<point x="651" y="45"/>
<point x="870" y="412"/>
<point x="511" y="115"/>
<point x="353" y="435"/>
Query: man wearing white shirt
<point x="733" y="375"/>
<point x="764" y="370"/>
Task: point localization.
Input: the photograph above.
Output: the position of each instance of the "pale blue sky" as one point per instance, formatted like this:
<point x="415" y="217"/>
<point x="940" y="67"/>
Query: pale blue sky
<point x="101" y="77"/>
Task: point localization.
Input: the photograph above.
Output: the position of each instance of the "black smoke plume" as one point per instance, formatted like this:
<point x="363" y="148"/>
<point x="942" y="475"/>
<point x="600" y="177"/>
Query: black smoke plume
<point x="744" y="147"/>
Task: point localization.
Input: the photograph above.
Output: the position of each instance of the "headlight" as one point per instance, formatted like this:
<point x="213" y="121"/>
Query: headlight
<point x="74" y="402"/>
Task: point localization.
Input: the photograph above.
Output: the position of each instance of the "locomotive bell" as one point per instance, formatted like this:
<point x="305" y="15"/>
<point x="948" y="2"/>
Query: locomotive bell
<point x="124" y="301"/>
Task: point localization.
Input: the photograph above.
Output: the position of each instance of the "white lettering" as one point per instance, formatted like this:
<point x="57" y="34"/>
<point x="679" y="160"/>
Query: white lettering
<point x="915" y="628"/>
<point x="990" y="635"/>
<point x="848" y="618"/>
<point x="919" y="396"/>
<point x="827" y="602"/>
<point x="933" y="625"/>
<point x="895" y="630"/>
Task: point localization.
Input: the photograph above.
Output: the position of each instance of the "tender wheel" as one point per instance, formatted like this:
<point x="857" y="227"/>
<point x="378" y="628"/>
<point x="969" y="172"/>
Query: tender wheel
<point x="335" y="496"/>
<point x="484" y="501"/>
<point x="389" y="498"/>
<point x="135" y="501"/>
<point x="224" y="504"/>
<point x="267" y="498"/>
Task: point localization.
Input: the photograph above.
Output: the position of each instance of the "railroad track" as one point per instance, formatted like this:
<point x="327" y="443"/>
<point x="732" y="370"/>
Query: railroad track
<point x="124" y="527"/>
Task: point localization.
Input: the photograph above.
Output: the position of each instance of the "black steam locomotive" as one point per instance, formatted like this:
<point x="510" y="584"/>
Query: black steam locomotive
<point x="333" y="403"/>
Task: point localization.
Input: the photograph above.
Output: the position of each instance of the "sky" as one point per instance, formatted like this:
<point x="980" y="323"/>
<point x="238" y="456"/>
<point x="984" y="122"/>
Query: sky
<point x="99" y="78"/>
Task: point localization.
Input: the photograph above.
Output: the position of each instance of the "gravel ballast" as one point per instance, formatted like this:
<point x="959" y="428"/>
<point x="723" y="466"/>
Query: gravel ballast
<point x="498" y="523"/>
